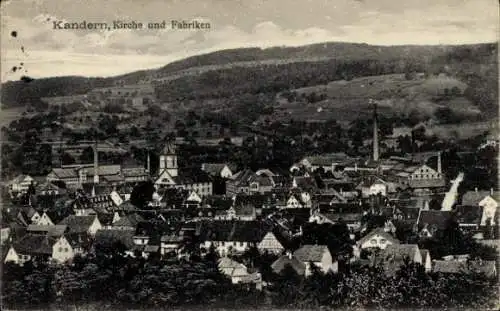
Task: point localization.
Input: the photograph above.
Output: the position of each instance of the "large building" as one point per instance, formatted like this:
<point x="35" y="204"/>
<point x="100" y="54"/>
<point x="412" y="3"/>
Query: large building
<point x="171" y="177"/>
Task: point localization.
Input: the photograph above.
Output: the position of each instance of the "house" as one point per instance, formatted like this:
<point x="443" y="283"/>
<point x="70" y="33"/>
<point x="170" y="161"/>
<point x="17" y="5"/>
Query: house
<point x="373" y="185"/>
<point x="127" y="222"/>
<point x="305" y="183"/>
<point x="396" y="255"/>
<point x="426" y="259"/>
<point x="299" y="200"/>
<point x="170" y="243"/>
<point x="171" y="177"/>
<point x="430" y="222"/>
<point x="377" y="238"/>
<point x="449" y="266"/>
<point x="351" y="219"/>
<point x="239" y="273"/>
<point x="28" y="215"/>
<point x="230" y="236"/>
<point x="244" y="212"/>
<point x="217" y="169"/>
<point x="20" y="184"/>
<point x="468" y="217"/>
<point x="486" y="267"/>
<point x="193" y="200"/>
<point x="270" y="244"/>
<point x="109" y="238"/>
<point x="422" y="177"/>
<point x="319" y="255"/>
<point x="44" y="220"/>
<point x="238" y="183"/>
<point x="488" y="200"/>
<point x="46" y="247"/>
<point x="49" y="189"/>
<point x="82" y="224"/>
<point x="281" y="263"/>
<point x="328" y="162"/>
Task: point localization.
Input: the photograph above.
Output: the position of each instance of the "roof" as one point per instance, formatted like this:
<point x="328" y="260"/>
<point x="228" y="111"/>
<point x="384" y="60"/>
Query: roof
<point x="78" y="224"/>
<point x="327" y="159"/>
<point x="103" y="170"/>
<point x="468" y="214"/>
<point x="57" y="230"/>
<point x="213" y="168"/>
<point x="244" y="210"/>
<point x="438" y="219"/>
<point x="305" y="183"/>
<point x="309" y="253"/>
<point x="427" y="183"/>
<point x="474" y="197"/>
<point x="488" y="267"/>
<point x="381" y="232"/>
<point x="169" y="148"/>
<point x="130" y="220"/>
<point x="64" y="173"/>
<point x="398" y="252"/>
<point x="285" y="260"/>
<point x="449" y="266"/>
<point x="241" y="178"/>
<point x="237" y="231"/>
<point x="35" y="244"/>
<point x="108" y="237"/>
<point x="191" y="176"/>
<point x="229" y="264"/>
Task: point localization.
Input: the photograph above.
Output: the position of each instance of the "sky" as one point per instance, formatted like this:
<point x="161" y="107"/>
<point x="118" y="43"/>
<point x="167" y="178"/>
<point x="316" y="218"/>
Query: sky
<point x="42" y="51"/>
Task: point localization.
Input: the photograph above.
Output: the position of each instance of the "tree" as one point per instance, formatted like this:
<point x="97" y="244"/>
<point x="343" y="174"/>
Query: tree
<point x="142" y="194"/>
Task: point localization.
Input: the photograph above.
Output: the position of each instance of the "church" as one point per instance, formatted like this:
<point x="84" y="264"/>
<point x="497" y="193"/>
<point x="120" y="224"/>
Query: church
<point x="170" y="176"/>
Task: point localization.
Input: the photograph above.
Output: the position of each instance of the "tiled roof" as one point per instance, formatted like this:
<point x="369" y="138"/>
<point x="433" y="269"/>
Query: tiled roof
<point x="474" y="197"/>
<point x="309" y="253"/>
<point x="285" y="260"/>
<point x="57" y="230"/>
<point x="78" y="224"/>
<point x="427" y="183"/>
<point x="237" y="231"/>
<point x="213" y="168"/>
<point x="103" y="170"/>
<point x="381" y="232"/>
<point x="468" y="214"/>
<point x="449" y="266"/>
<point x="438" y="219"/>
<point x="328" y="159"/>
<point x="35" y="244"/>
<point x="108" y="237"/>
<point x="130" y="220"/>
<point x="64" y="173"/>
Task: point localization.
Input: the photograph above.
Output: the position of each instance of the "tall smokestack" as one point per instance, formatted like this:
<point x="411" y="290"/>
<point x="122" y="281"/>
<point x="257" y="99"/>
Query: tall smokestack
<point x="439" y="168"/>
<point x="148" y="165"/>
<point x="96" y="164"/>
<point x="375" y="134"/>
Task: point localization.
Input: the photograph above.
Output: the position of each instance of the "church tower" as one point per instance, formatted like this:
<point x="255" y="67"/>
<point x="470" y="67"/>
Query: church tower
<point x="168" y="159"/>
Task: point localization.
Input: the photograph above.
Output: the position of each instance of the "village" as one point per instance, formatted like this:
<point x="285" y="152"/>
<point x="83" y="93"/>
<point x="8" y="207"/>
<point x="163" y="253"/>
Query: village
<point x="328" y="211"/>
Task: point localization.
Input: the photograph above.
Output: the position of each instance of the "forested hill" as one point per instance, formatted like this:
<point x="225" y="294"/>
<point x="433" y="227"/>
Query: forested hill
<point x="476" y="64"/>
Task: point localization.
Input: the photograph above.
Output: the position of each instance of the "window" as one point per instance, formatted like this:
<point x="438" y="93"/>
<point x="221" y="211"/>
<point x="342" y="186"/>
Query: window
<point x="241" y="243"/>
<point x="60" y="249"/>
<point x="383" y="241"/>
<point x="373" y="241"/>
<point x="66" y="250"/>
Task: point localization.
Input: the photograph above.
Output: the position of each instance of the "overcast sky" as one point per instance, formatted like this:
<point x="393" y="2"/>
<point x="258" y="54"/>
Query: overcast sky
<point x="234" y="23"/>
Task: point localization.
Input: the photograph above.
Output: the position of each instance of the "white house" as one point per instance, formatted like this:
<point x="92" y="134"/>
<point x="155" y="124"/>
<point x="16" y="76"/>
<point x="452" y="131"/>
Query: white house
<point x="82" y="224"/>
<point x="20" y="184"/>
<point x="217" y="169"/>
<point x="490" y="206"/>
<point x="270" y="244"/>
<point x="30" y="246"/>
<point x="239" y="273"/>
<point x="44" y="220"/>
<point x="319" y="255"/>
<point x="377" y="238"/>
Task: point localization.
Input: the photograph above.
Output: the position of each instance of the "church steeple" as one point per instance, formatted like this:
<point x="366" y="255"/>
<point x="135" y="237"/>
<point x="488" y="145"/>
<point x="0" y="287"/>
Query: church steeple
<point x="168" y="159"/>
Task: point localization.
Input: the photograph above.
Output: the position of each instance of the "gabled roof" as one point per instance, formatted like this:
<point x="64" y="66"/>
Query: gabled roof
<point x="285" y="260"/>
<point x="35" y="244"/>
<point x="449" y="266"/>
<point x="214" y="168"/>
<point x="108" y="237"/>
<point x="474" y="197"/>
<point x="468" y="214"/>
<point x="231" y="231"/>
<point x="309" y="253"/>
<point x="78" y="224"/>
<point x="381" y="232"/>
<point x="130" y="220"/>
<point x="438" y="219"/>
<point x="57" y="230"/>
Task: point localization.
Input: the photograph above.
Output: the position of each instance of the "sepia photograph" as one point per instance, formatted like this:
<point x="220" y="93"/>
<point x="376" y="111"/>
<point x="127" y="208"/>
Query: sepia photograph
<point x="249" y="155"/>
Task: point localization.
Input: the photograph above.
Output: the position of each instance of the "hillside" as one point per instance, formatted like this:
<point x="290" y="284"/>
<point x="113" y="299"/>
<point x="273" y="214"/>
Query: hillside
<point x="232" y="73"/>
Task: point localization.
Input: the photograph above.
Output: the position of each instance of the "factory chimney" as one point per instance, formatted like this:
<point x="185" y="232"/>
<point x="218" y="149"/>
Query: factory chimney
<point x="375" y="134"/>
<point x="439" y="168"/>
<point x="96" y="164"/>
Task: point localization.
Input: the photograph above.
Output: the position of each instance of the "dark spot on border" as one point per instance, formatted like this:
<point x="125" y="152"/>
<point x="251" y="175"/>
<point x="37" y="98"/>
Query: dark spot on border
<point x="14" y="33"/>
<point x="26" y="79"/>
<point x="14" y="69"/>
